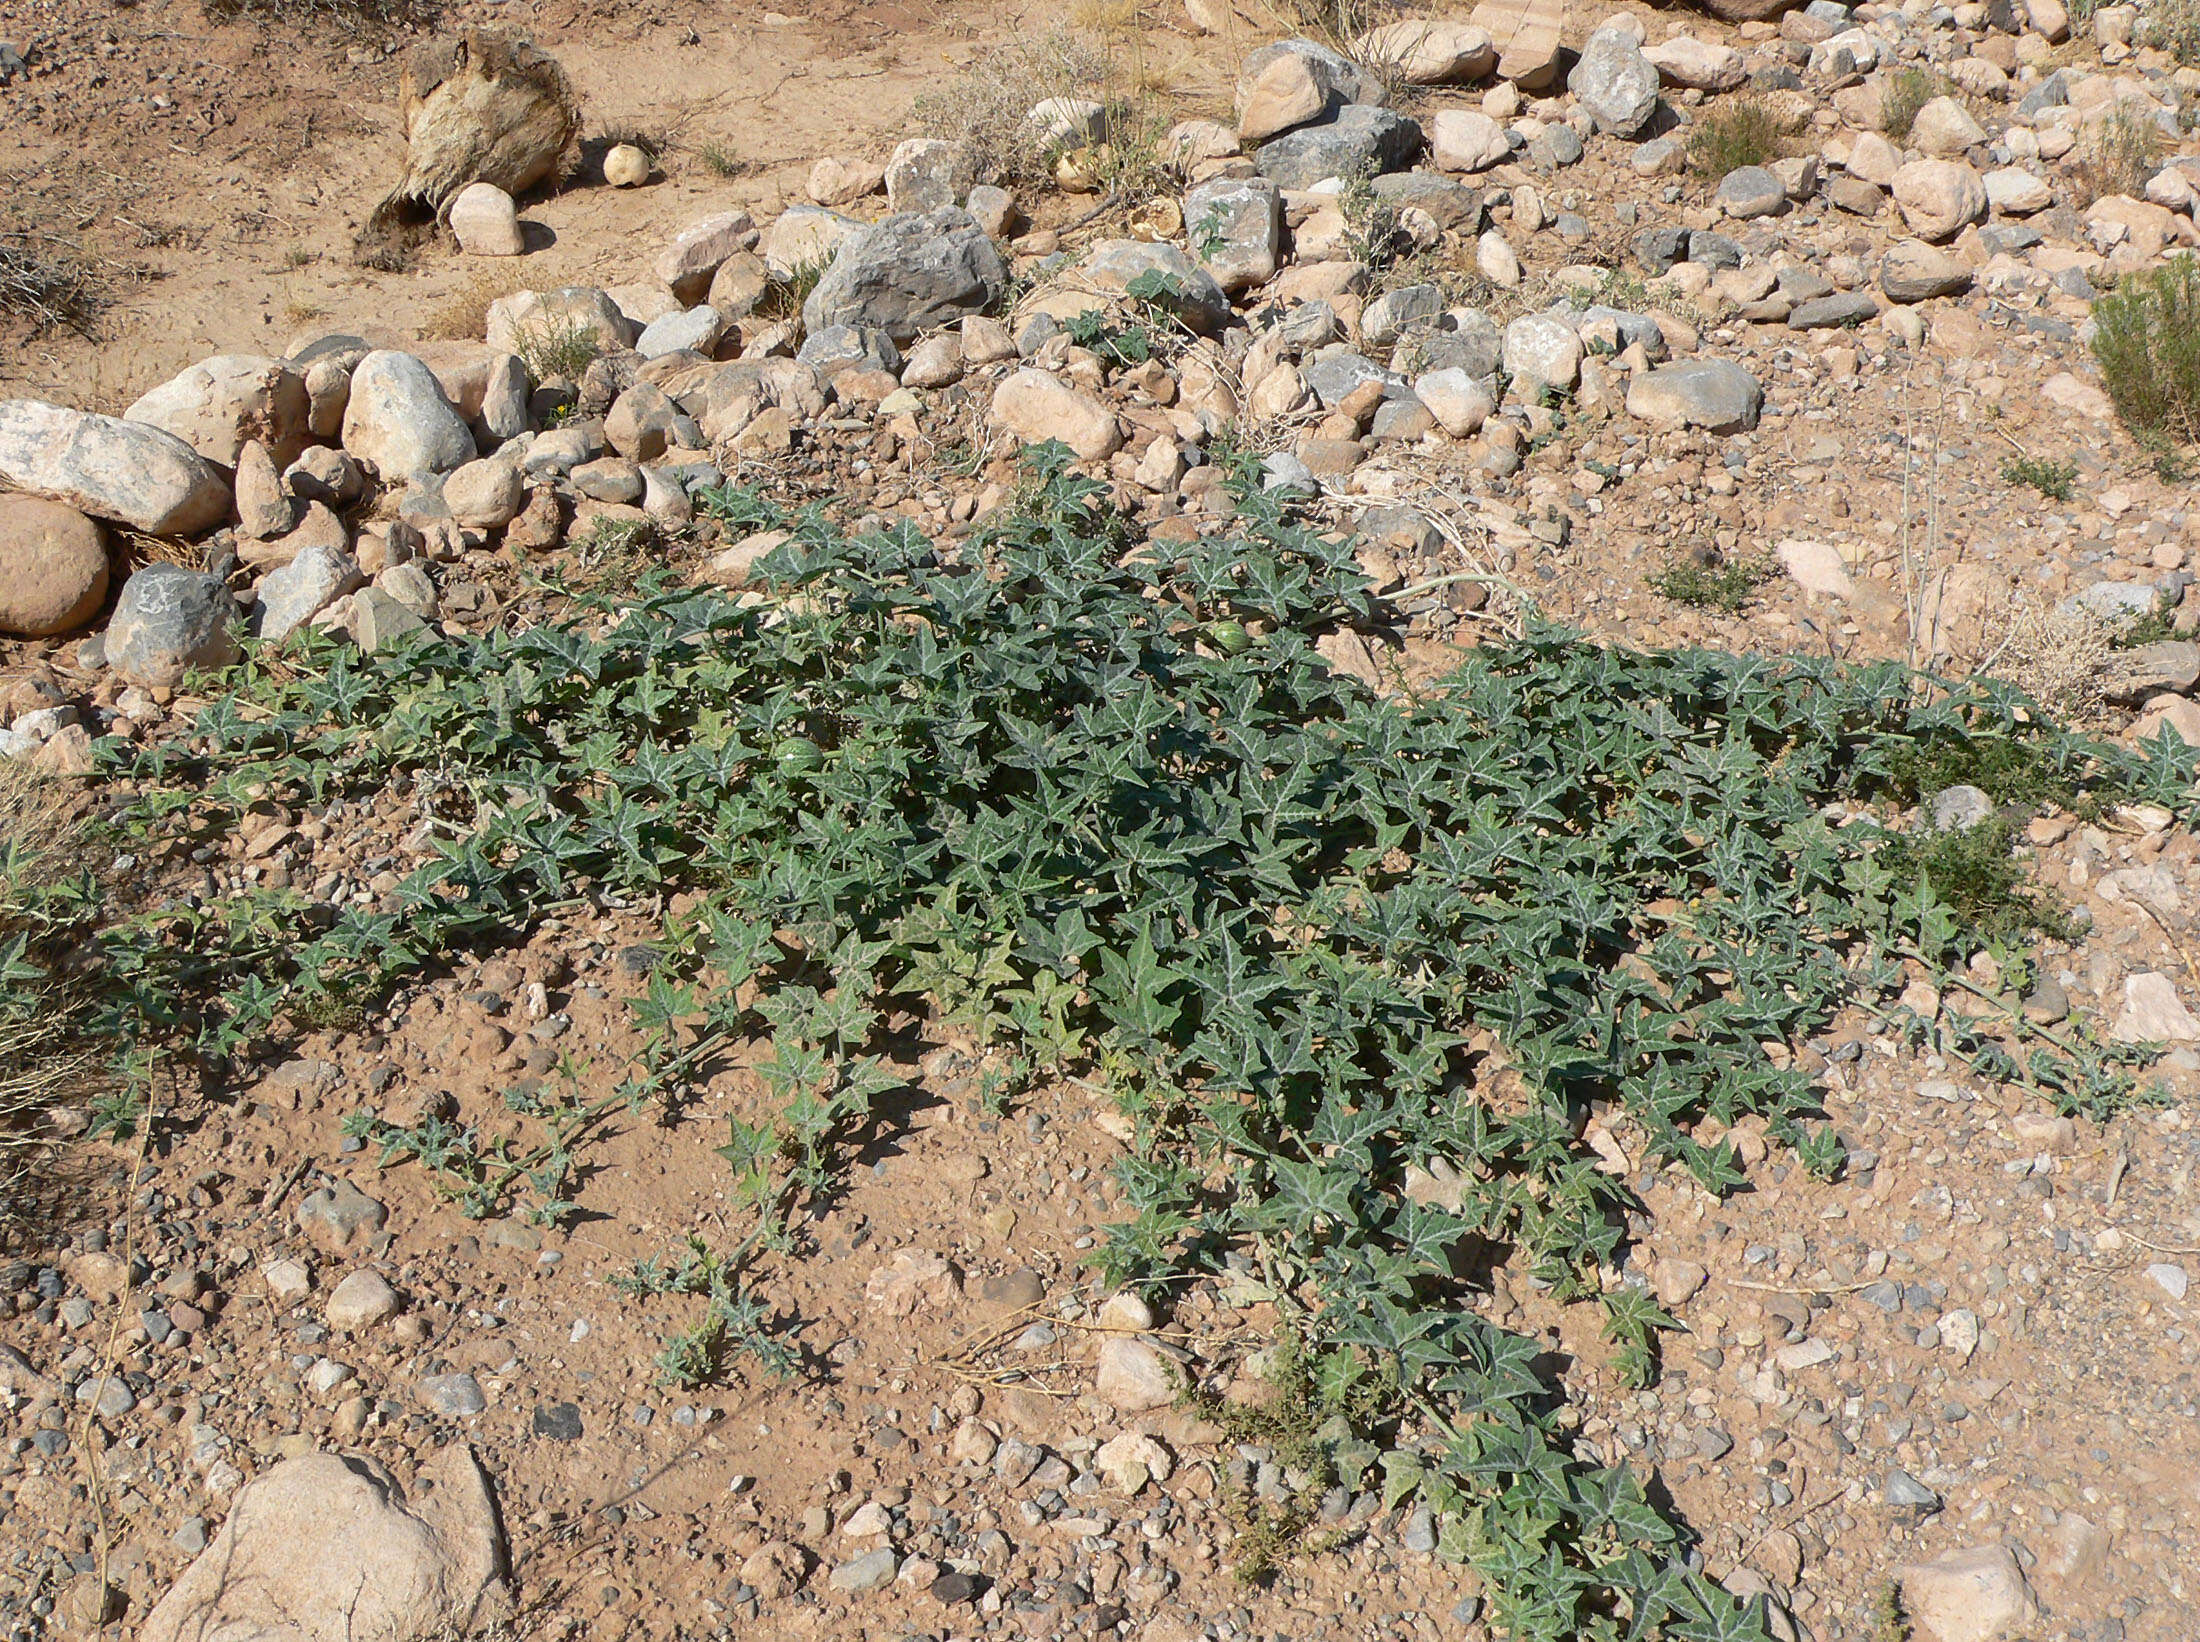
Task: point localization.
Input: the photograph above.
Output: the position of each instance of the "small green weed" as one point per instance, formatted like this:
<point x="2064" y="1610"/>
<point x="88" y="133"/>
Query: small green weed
<point x="1973" y="873"/>
<point x="783" y="298"/>
<point x="2146" y="337"/>
<point x="1889" y="1622"/>
<point x="1633" y="1321"/>
<point x="1725" y="587"/>
<point x="734" y="1323"/>
<point x="2050" y="478"/>
<point x="721" y="160"/>
<point x="1728" y="136"/>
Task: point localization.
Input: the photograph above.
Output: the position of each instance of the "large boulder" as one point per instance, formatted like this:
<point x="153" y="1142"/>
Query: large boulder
<point x="1180" y="287"/>
<point x="483" y="107"/>
<point x="907" y="274"/>
<point x="1427" y="51"/>
<point x="130" y="472"/>
<point x="324" y="1548"/>
<point x="220" y="403"/>
<point x="399" y="419"/>
<point x="1696" y="65"/>
<point x="1359" y="137"/>
<point x="53" y="567"/>
<point x="1294" y="82"/>
<point x="1615" y="83"/>
<point x="1913" y="271"/>
<point x="167" y="621"/>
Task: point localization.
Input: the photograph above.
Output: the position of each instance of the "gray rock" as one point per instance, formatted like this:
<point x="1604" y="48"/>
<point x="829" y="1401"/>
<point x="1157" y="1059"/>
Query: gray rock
<point x="1751" y="191"/>
<point x="688" y="330"/>
<point x="1713" y="250"/>
<point x="1555" y="146"/>
<point x="1358" y="137"/>
<point x="1190" y="293"/>
<point x="872" y="1571"/>
<point x="1472" y="349"/>
<point x="926" y="175"/>
<point x="1960" y="808"/>
<point x="1904" y="1492"/>
<point x="399" y="420"/>
<point x="1831" y="312"/>
<point x="1715" y="394"/>
<point x="1234" y="225"/>
<point x="1334" y="376"/>
<point x="1913" y="271"/>
<point x="1284" y="472"/>
<point x="1615" y="83"/>
<point x="339" y="1214"/>
<point x="2052" y="92"/>
<point x="1450" y="203"/>
<point x="1659" y="249"/>
<point x="849" y="348"/>
<point x="293" y="595"/>
<point x="454" y="1396"/>
<point x="134" y="474"/>
<point x="2118" y="602"/>
<point x="1410" y="307"/>
<point x="1543" y="348"/>
<point x="167" y="621"/>
<point x="907" y="274"/>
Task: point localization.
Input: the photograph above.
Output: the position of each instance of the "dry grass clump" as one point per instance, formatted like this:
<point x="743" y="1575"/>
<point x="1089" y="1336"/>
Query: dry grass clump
<point x="48" y="284"/>
<point x="2058" y="657"/>
<point x="986" y="111"/>
<point x="2118" y="155"/>
<point x="1907" y="90"/>
<point x="48" y="1075"/>
<point x="379" y="15"/>
<point x="463" y="316"/>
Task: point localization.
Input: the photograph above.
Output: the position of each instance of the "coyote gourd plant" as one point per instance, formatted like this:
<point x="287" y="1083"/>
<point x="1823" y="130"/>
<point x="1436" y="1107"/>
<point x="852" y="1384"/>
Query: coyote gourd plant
<point x="1100" y="806"/>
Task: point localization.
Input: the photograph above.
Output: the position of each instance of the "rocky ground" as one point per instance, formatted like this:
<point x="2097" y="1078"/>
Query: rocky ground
<point x="1476" y="291"/>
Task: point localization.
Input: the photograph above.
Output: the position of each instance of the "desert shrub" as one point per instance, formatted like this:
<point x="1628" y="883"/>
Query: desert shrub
<point x="377" y="15"/>
<point x="1731" y="135"/>
<point x="2117" y="155"/>
<point x="2174" y="26"/>
<point x="48" y="284"/>
<point x="2057" y="656"/>
<point x="1908" y="89"/>
<point x="2146" y="337"/>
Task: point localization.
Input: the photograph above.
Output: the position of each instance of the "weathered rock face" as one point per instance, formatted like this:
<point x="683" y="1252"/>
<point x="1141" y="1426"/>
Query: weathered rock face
<point x="53" y="567"/>
<point x="1358" y="137"/>
<point x="1293" y="82"/>
<point x="130" y="472"/>
<point x="399" y="419"/>
<point x="908" y="274"/>
<point x="293" y="595"/>
<point x="328" y="1549"/>
<point x="1187" y="290"/>
<point x="483" y="107"/>
<point x="1036" y="407"/>
<point x="1235" y="225"/>
<point x="168" y="621"/>
<point x="220" y="403"/>
<point x="1615" y="83"/>
<point x="525" y="318"/>
<point x="1698" y="393"/>
<point x="1429" y="51"/>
